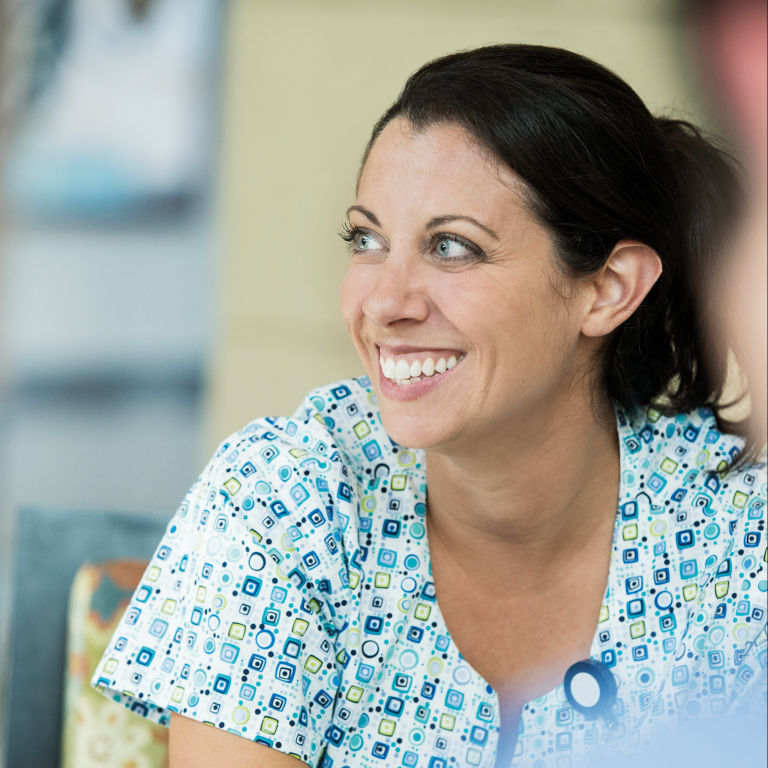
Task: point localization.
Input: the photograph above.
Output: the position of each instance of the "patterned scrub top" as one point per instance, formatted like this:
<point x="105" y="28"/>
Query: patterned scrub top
<point x="291" y="600"/>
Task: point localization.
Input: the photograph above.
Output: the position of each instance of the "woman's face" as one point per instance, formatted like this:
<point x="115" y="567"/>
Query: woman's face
<point x="450" y="296"/>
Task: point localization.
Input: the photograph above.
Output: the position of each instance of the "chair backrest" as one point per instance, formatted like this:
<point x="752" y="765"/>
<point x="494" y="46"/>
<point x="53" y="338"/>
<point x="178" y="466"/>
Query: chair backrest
<point x="50" y="547"/>
<point x="93" y="723"/>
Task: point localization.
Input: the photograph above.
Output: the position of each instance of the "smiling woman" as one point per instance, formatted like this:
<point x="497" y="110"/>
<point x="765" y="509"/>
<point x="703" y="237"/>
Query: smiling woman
<point x="522" y="537"/>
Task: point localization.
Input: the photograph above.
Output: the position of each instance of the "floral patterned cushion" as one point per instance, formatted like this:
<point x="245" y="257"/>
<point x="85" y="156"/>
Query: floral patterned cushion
<point x="98" y="732"/>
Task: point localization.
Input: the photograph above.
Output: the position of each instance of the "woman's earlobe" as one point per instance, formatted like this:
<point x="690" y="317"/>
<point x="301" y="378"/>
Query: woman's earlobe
<point x="619" y="288"/>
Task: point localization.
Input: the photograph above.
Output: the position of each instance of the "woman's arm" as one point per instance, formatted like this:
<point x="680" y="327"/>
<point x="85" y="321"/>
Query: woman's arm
<point x="194" y="745"/>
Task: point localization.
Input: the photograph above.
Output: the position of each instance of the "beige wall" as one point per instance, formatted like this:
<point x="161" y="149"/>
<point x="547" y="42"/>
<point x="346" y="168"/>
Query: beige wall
<point x="305" y="81"/>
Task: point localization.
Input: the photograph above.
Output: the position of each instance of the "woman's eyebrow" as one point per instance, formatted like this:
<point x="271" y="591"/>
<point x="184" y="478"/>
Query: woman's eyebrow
<point x="438" y="220"/>
<point x="370" y="215"/>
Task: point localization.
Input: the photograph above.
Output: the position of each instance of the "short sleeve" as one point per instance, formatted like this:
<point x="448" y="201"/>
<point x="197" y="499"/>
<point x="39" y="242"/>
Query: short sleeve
<point x="236" y="622"/>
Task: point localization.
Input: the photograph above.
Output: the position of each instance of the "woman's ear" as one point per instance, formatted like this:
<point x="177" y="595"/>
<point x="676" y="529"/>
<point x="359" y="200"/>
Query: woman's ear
<point x="620" y="286"/>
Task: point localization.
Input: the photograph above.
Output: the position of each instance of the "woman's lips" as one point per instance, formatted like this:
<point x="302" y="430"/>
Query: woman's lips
<point x="422" y="376"/>
<point x="412" y="367"/>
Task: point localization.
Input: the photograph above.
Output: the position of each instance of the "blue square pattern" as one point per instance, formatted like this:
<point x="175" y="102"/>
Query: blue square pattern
<point x="680" y="675"/>
<point x="364" y="673"/>
<point x="380" y="750"/>
<point x="387" y="558"/>
<point x="229" y="653"/>
<point x="742" y="608"/>
<point x="415" y="634"/>
<point x="402" y="683"/>
<point x="629" y="510"/>
<point x="158" y="628"/>
<point x="679" y="494"/>
<point x="454" y="699"/>
<point x="630" y="555"/>
<point x="689" y="569"/>
<point x="716" y="659"/>
<point x="640" y="652"/>
<point x="278" y="595"/>
<point x="143" y="594"/>
<point x="372" y="450"/>
<point x="285" y="672"/>
<point x="271" y="616"/>
<point x="564" y="741"/>
<point x="299" y="493"/>
<point x="564" y="716"/>
<point x="279" y="508"/>
<point x="485" y="713"/>
<point x="251" y="586"/>
<point x="667" y="622"/>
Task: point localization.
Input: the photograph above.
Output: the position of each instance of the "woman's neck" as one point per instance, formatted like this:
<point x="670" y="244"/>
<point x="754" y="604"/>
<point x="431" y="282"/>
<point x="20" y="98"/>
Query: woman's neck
<point x="528" y="499"/>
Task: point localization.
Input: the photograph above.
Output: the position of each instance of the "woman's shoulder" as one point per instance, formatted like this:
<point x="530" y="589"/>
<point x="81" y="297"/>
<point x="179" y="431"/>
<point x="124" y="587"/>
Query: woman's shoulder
<point x="277" y="472"/>
<point x="685" y="459"/>
<point x="319" y="432"/>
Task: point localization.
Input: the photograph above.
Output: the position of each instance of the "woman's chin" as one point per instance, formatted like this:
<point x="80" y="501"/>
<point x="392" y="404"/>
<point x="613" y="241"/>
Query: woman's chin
<point x="412" y="430"/>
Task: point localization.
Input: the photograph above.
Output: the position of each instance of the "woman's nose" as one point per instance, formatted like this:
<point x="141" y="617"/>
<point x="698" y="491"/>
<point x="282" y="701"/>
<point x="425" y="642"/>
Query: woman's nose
<point x="397" y="294"/>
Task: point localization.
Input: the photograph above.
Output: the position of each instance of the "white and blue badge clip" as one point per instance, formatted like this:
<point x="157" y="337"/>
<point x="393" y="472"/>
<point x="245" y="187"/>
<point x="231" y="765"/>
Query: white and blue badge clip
<point x="591" y="690"/>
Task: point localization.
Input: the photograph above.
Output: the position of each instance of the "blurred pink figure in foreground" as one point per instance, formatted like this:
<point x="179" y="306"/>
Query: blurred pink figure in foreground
<point x="733" y="35"/>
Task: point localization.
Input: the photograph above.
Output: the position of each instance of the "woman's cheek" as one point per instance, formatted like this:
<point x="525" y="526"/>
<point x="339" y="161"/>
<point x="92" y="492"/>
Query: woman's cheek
<point x="351" y="297"/>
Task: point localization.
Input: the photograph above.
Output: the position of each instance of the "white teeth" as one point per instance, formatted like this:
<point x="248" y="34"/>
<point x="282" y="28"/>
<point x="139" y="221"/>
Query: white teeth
<point x="402" y="373"/>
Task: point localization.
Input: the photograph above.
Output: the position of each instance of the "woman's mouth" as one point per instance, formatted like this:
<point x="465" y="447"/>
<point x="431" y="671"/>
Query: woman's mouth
<point x="410" y="368"/>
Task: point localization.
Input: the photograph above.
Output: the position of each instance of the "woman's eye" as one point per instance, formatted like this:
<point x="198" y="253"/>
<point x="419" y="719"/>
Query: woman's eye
<point x="448" y="248"/>
<point x="365" y="242"/>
